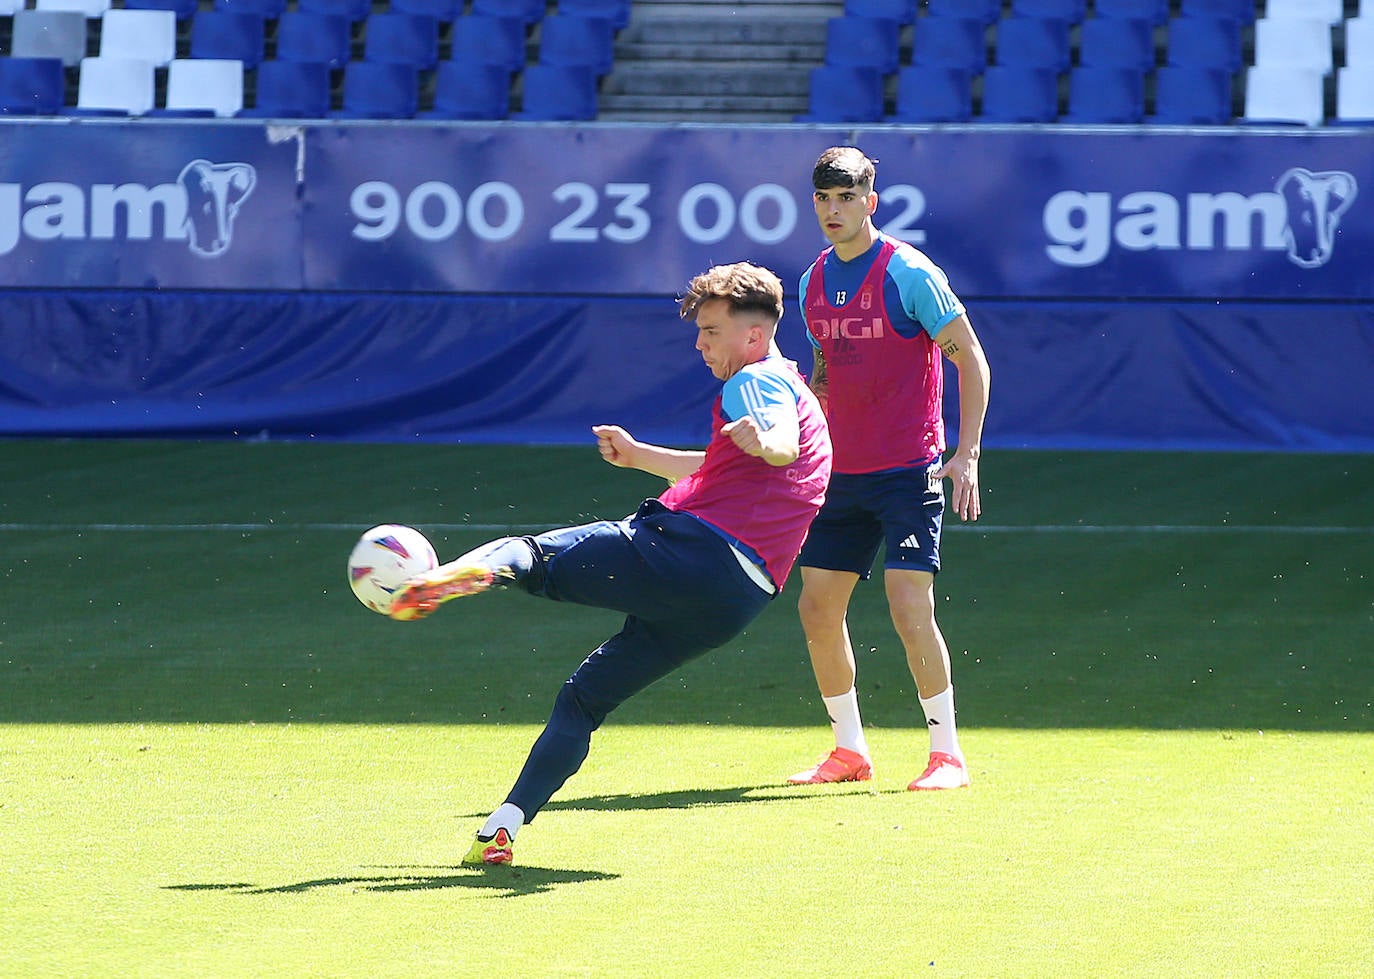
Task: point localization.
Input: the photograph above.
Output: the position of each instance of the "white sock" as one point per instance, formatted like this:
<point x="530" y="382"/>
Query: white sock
<point x="939" y="712"/>
<point x="508" y="817"/>
<point x="844" y="718"/>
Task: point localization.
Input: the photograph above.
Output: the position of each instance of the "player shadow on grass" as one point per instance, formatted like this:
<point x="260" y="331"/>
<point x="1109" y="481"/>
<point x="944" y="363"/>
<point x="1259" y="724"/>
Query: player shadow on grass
<point x="692" y="798"/>
<point x="516" y="881"/>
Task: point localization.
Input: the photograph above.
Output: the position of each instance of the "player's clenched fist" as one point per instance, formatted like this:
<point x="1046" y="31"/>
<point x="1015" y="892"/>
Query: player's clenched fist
<point x="614" y="444"/>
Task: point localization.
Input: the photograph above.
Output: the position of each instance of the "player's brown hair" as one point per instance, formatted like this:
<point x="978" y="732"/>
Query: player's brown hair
<point x="746" y="287"/>
<point x="844" y="166"/>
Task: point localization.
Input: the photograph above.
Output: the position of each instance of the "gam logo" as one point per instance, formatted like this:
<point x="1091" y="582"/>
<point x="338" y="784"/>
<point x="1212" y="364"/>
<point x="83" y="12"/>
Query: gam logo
<point x="1299" y="217"/>
<point x="199" y="208"/>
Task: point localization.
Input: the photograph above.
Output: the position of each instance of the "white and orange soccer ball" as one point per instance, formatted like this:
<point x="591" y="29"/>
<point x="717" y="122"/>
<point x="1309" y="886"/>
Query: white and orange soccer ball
<point x="383" y="558"/>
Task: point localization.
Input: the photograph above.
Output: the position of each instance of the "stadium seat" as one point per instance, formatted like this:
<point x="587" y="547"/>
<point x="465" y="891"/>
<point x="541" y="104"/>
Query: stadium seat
<point x="147" y="34"/>
<point x="1298" y="43"/>
<point x="1116" y="42"/>
<point x="489" y="40"/>
<point x="411" y="39"/>
<point x="902" y="11"/>
<point x="443" y="11"/>
<point x="466" y="90"/>
<point x="291" y="90"/>
<point x="1330" y="11"/>
<point x="1099" y="95"/>
<point x="558" y="93"/>
<point x="1069" y="11"/>
<point x="352" y="10"/>
<point x="1189" y="96"/>
<point x="90" y="9"/>
<point x="984" y="11"/>
<point x="616" y="11"/>
<point x="1033" y="42"/>
<point x="199" y="84"/>
<point x="932" y="94"/>
<point x="1240" y="11"/>
<point x="1359" y="42"/>
<point x="1155" y="12"/>
<point x="529" y="11"/>
<point x="311" y="37"/>
<point x="1204" y="42"/>
<point x="184" y="9"/>
<point x="119" y="85"/>
<point x="859" y="41"/>
<point x="1355" y="95"/>
<point x="31" y="86"/>
<point x="950" y="42"/>
<point x="572" y="40"/>
<point x="266" y="9"/>
<point x="844" y="93"/>
<point x="8" y="7"/>
<point x="1020" y="93"/>
<point x="57" y="34"/>
<point x="221" y="35"/>
<point x="379" y="90"/>
<point x="1284" y="96"/>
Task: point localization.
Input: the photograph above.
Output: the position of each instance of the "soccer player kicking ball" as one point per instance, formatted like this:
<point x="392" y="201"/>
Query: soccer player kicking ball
<point x="689" y="569"/>
<point x="880" y="314"/>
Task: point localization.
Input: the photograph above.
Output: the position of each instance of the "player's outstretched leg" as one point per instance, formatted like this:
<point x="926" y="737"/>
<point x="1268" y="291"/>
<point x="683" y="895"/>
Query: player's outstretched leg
<point x="421" y="595"/>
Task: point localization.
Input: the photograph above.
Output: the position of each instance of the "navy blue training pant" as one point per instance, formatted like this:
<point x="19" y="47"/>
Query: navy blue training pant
<point x="682" y="591"/>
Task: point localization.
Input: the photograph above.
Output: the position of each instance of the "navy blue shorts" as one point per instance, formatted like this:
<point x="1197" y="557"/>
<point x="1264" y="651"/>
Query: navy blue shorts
<point x="900" y="508"/>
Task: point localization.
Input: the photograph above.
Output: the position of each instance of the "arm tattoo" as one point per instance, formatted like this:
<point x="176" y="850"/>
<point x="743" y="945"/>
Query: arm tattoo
<point x="950" y="347"/>
<point x="820" y="378"/>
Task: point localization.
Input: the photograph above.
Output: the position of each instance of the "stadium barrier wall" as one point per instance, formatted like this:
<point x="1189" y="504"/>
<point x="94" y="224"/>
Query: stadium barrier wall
<point x="516" y="282"/>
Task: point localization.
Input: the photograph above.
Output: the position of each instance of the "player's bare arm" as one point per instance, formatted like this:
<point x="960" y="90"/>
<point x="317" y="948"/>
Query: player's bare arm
<point x="820" y="377"/>
<point x="778" y="445"/>
<point x="620" y="449"/>
<point x="960" y="344"/>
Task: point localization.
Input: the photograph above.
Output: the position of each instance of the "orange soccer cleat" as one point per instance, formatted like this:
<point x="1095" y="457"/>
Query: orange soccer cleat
<point x="945" y="771"/>
<point x="841" y="765"/>
<point x="421" y="595"/>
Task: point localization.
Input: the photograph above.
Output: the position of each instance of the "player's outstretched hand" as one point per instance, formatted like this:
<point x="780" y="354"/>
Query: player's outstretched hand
<point x="962" y="472"/>
<point x="615" y="444"/>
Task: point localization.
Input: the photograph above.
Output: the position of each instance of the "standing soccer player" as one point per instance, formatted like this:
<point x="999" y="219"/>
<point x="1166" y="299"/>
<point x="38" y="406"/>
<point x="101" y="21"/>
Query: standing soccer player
<point x="880" y="314"/>
<point x="691" y="568"/>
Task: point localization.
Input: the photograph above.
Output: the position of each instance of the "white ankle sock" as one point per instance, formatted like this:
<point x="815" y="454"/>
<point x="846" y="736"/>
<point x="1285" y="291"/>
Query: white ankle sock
<point x="844" y="718"/>
<point x="508" y="817"/>
<point x="939" y="712"/>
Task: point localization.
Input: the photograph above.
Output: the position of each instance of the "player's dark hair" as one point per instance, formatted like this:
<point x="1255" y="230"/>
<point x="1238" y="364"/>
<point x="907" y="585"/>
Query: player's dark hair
<point x="746" y="287"/>
<point x="843" y="166"/>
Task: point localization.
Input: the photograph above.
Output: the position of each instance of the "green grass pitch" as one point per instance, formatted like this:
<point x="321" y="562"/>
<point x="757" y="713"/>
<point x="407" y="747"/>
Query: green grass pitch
<point x="214" y="761"/>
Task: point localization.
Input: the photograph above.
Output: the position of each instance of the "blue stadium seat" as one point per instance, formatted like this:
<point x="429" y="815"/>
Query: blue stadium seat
<point x="443" y="11"/>
<point x="184" y="9"/>
<point x="859" y="41"/>
<point x="573" y="40"/>
<point x="558" y="93"/>
<point x="489" y="40"/>
<point x="529" y="11"/>
<point x="1033" y="42"/>
<point x="844" y="93"/>
<point x="950" y="42"/>
<point x="1117" y="42"/>
<point x="1020" y="93"/>
<point x="31" y="86"/>
<point x="984" y="11"/>
<point x="1155" y="12"/>
<point x="464" y="90"/>
<point x="353" y="10"/>
<point x="933" y="93"/>
<point x="616" y="11"/>
<point x="312" y="37"/>
<point x="1240" y="11"/>
<point x="379" y="90"/>
<point x="291" y="90"/>
<point x="1105" y="95"/>
<point x="410" y="39"/>
<point x="1069" y="11"/>
<point x="221" y="35"/>
<point x="902" y="11"/>
<point x="1191" y="96"/>
<point x="266" y="9"/>
<point x="1204" y="42"/>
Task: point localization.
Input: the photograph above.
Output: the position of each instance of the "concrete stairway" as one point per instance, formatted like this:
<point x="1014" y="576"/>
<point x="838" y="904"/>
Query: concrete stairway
<point x="715" y="61"/>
